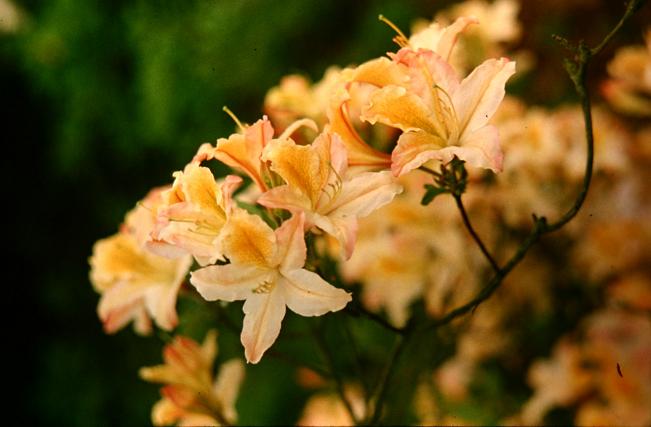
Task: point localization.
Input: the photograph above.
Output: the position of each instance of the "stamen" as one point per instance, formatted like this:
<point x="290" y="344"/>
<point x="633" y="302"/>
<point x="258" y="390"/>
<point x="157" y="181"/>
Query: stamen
<point x="451" y="119"/>
<point x="401" y="40"/>
<point x="264" y="287"/>
<point x="309" y="123"/>
<point x="234" y="117"/>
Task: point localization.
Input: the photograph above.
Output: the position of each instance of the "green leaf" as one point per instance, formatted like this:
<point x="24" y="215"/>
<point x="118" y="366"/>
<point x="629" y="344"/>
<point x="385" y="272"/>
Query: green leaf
<point x="431" y="192"/>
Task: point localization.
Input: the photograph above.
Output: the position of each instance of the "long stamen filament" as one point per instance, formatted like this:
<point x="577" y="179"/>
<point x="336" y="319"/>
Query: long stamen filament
<point x="401" y="40"/>
<point x="234" y="117"/>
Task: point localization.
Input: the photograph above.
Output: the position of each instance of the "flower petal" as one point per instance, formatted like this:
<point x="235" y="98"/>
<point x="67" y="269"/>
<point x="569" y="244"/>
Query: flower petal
<point x="229" y="282"/>
<point x="396" y="107"/>
<point x="291" y="243"/>
<point x="247" y="239"/>
<point x="380" y="72"/>
<point x="365" y="193"/>
<point x="307" y="294"/>
<point x="479" y="94"/>
<point x="304" y="167"/>
<point x="243" y="151"/>
<point x="344" y="229"/>
<point x="480" y="149"/>
<point x="414" y="149"/>
<point x="161" y="300"/>
<point x="359" y="153"/>
<point x="263" y="315"/>
<point x="119" y="305"/>
<point x="285" y="197"/>
<point x="440" y="39"/>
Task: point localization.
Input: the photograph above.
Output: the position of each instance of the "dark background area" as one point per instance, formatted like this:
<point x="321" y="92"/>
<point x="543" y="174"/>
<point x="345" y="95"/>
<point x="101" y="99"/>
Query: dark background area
<point x="104" y="100"/>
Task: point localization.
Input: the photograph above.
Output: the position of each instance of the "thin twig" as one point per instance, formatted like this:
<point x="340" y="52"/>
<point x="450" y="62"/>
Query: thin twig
<point x="473" y="233"/>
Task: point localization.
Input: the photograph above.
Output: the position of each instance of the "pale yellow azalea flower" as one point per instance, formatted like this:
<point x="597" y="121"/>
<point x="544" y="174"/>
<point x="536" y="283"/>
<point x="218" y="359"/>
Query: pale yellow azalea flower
<point x="318" y="186"/>
<point x="440" y="116"/>
<point x="266" y="270"/>
<point x="190" y="396"/>
<point x="135" y="283"/>
<point x="193" y="214"/>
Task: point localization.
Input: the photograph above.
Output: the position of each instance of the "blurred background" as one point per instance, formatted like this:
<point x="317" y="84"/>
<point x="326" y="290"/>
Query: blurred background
<point x="104" y="100"/>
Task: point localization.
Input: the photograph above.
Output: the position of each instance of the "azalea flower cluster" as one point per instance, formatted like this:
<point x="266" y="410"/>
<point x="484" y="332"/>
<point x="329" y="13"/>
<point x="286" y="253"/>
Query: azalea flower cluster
<point x="311" y="173"/>
<point x="335" y="170"/>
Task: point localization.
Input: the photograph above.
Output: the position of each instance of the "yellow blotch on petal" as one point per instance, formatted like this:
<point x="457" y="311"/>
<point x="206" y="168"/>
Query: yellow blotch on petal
<point x="247" y="239"/>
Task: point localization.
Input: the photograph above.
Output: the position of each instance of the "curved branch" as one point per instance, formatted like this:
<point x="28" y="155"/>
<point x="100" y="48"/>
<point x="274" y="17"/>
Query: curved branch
<point x="473" y="233"/>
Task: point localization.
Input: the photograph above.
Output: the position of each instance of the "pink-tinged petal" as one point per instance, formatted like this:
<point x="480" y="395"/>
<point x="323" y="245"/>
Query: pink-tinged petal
<point x="344" y="229"/>
<point x="291" y="243"/>
<point x="205" y="152"/>
<point x="227" y="188"/>
<point x="141" y="322"/>
<point x="307" y="294"/>
<point x="263" y="315"/>
<point x="413" y="150"/>
<point x="480" y="149"/>
<point x="396" y="107"/>
<point x="337" y="151"/>
<point x="243" y="151"/>
<point x="441" y="39"/>
<point x="479" y="94"/>
<point x="246" y="239"/>
<point x="285" y="197"/>
<point x="426" y="70"/>
<point x="119" y="305"/>
<point x="365" y="193"/>
<point x="230" y="282"/>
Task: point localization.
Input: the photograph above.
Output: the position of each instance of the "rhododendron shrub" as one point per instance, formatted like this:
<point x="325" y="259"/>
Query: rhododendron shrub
<point x="396" y="193"/>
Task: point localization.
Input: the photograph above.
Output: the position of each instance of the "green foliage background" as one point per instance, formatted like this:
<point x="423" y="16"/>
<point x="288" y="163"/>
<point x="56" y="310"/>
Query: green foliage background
<point x="105" y="100"/>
